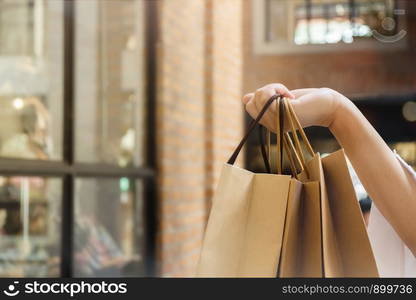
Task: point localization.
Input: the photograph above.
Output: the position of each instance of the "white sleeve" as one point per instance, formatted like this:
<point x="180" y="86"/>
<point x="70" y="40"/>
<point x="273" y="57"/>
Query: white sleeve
<point x="393" y="257"/>
<point x="405" y="165"/>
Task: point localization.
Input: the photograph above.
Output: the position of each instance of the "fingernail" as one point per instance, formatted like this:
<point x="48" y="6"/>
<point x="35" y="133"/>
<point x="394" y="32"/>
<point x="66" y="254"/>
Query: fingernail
<point x="246" y="98"/>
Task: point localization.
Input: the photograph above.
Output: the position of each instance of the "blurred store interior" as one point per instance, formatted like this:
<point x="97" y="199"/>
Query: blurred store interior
<point x="117" y="115"/>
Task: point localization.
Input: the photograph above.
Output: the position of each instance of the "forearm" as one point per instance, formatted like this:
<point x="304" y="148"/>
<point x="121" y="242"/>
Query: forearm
<point x="387" y="183"/>
<point x="302" y="92"/>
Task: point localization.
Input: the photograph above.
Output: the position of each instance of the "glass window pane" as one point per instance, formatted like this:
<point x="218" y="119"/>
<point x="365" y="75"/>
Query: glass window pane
<point x="31" y="72"/>
<point x="30" y="226"/>
<point x="328" y="22"/>
<point x="109" y="81"/>
<point x="108" y="230"/>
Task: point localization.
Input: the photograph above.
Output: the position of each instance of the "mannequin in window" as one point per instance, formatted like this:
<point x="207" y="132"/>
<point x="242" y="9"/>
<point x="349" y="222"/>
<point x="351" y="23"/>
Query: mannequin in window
<point x="33" y="142"/>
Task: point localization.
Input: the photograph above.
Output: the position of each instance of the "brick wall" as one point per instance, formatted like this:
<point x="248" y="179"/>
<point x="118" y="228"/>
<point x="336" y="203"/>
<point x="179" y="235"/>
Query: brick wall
<point x="224" y="85"/>
<point x="199" y="119"/>
<point x="353" y="73"/>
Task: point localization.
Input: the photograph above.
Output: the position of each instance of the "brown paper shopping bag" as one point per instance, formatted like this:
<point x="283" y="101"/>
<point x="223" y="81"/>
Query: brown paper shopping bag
<point x="302" y="242"/>
<point x="292" y="236"/>
<point x="357" y="258"/>
<point x="301" y="250"/>
<point x="346" y="250"/>
<point x="243" y="237"/>
<point x="331" y="261"/>
<point x="311" y="252"/>
<point x="245" y="228"/>
<point x="301" y="254"/>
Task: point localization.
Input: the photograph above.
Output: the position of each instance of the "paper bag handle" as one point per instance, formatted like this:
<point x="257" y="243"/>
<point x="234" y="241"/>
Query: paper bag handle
<point x="283" y="143"/>
<point x="265" y="150"/>
<point x="265" y="153"/>
<point x="250" y="129"/>
<point x="293" y="150"/>
<point x="295" y="125"/>
<point x="294" y="119"/>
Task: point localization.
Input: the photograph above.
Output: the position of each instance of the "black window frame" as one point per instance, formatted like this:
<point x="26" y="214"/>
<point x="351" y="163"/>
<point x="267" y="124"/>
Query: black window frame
<point x="68" y="169"/>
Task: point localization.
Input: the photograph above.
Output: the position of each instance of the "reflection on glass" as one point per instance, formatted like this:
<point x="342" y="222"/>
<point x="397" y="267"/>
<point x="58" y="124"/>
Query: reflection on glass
<point x="324" y="23"/>
<point x="30" y="209"/>
<point x="31" y="51"/>
<point x="329" y="22"/>
<point x="108" y="228"/>
<point x="109" y="82"/>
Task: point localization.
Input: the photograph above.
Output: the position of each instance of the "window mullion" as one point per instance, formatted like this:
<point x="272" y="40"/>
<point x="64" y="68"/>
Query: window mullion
<point x="68" y="140"/>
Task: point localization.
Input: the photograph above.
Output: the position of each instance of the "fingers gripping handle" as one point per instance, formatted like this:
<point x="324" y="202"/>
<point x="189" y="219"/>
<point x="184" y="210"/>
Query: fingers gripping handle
<point x="251" y="128"/>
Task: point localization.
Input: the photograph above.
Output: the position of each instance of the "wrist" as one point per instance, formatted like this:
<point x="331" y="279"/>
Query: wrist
<point x="344" y="110"/>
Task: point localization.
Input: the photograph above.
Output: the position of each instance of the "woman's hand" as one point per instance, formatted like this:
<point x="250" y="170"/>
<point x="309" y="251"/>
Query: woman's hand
<point x="314" y="107"/>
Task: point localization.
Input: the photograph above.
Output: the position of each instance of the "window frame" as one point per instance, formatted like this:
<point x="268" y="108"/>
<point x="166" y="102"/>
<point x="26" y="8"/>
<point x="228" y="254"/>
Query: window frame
<point x="68" y="169"/>
<point x="263" y="47"/>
